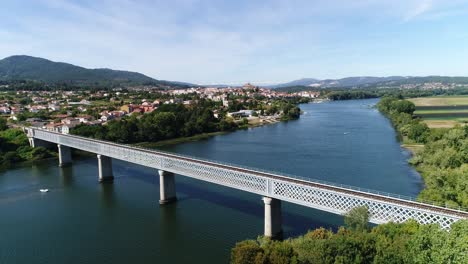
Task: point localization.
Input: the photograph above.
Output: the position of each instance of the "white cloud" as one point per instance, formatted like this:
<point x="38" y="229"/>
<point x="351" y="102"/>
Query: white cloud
<point x="210" y="41"/>
<point x="418" y="9"/>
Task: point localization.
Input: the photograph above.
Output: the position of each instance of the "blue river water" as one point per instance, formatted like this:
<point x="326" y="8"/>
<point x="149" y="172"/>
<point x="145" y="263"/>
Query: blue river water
<point x="81" y="221"/>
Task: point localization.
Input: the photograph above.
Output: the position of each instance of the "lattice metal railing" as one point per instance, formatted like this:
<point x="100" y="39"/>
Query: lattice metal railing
<point x="319" y="195"/>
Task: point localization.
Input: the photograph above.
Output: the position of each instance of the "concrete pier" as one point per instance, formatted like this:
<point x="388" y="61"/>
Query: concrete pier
<point x="273" y="221"/>
<point x="65" y="157"/>
<point x="167" y="191"/>
<point x="105" y="168"/>
<point x="34" y="142"/>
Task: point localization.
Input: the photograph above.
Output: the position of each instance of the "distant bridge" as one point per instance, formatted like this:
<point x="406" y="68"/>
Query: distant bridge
<point x="274" y="188"/>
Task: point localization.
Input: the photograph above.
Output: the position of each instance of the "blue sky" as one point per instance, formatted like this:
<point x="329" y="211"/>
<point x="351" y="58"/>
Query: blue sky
<point x="243" y="40"/>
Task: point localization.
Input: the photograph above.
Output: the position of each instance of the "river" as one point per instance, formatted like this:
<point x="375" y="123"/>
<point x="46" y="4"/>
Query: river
<point x="81" y="221"/>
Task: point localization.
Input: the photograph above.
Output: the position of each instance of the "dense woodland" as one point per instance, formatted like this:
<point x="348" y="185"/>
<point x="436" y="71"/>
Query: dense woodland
<point x="443" y="162"/>
<point x="409" y="242"/>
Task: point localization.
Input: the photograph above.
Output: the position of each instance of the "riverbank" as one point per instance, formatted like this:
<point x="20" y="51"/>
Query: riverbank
<point x="15" y="149"/>
<point x="407" y="242"/>
<point x="438" y="154"/>
<point x="413" y="148"/>
<point x="253" y="122"/>
<point x="311" y="146"/>
<point x="179" y="140"/>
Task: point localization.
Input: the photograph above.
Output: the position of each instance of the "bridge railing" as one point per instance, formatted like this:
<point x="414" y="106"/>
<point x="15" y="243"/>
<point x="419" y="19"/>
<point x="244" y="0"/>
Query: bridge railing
<point x="313" y="180"/>
<point x="284" y="175"/>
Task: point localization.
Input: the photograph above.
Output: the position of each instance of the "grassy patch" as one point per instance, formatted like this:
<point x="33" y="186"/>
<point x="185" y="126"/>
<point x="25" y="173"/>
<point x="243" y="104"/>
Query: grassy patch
<point x="413" y="148"/>
<point x="440" y="101"/>
<point x="441" y="123"/>
<point x="442" y="111"/>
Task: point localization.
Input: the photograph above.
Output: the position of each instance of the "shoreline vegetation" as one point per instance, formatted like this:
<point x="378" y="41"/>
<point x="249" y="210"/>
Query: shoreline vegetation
<point x="440" y="155"/>
<point x="407" y="242"/>
<point x="179" y="140"/>
<point x="252" y="123"/>
<point x="15" y="148"/>
<point x="203" y="136"/>
<point x="176" y="123"/>
<point x="412" y="148"/>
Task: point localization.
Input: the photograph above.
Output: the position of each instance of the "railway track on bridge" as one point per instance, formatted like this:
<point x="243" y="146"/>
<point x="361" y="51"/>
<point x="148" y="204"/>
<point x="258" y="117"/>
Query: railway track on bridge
<point x="330" y="197"/>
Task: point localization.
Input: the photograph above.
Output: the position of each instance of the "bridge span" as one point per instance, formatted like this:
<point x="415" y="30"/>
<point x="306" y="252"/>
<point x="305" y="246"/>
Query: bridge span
<point x="273" y="187"/>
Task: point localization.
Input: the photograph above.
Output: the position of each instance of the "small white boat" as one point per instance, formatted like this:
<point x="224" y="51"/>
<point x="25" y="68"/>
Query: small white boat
<point x="44" y="190"/>
<point x="346" y="133"/>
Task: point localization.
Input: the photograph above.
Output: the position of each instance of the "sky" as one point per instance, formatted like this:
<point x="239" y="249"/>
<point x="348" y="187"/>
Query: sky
<point x="239" y="41"/>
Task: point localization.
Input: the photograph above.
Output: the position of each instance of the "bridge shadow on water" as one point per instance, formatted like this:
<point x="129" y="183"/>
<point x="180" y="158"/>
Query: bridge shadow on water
<point x="296" y="219"/>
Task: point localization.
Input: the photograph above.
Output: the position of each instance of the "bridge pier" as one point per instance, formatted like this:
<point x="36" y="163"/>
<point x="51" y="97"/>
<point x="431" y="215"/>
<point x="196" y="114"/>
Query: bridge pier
<point x="65" y="157"/>
<point x="167" y="191"/>
<point x="34" y="142"/>
<point x="273" y="221"/>
<point x="105" y="168"/>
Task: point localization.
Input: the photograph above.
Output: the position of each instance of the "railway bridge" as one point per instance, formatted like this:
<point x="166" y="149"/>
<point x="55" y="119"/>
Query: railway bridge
<point x="272" y="187"/>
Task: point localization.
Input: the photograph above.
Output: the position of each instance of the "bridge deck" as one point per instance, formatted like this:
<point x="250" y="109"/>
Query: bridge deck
<point x="383" y="207"/>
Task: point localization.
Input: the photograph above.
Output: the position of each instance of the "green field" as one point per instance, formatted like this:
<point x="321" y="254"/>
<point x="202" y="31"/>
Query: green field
<point x="442" y="111"/>
<point x="440" y="101"/>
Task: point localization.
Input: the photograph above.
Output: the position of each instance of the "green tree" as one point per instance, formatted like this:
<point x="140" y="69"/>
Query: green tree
<point x="3" y="124"/>
<point x="357" y="218"/>
<point x="418" y="132"/>
<point x="39" y="153"/>
<point x="247" y="252"/>
<point x="403" y="106"/>
<point x="281" y="253"/>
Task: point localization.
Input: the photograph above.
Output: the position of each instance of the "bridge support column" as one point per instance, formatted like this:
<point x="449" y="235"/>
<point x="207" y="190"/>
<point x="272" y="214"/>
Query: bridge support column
<point x="65" y="157"/>
<point x="273" y="217"/>
<point x="167" y="191"/>
<point x="31" y="142"/>
<point x="34" y="142"/>
<point x="105" y="168"/>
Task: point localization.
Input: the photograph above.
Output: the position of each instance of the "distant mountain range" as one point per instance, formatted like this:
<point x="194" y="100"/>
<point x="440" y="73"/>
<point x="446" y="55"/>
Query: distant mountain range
<point x="21" y="67"/>
<point x="368" y="82"/>
<point x="344" y="82"/>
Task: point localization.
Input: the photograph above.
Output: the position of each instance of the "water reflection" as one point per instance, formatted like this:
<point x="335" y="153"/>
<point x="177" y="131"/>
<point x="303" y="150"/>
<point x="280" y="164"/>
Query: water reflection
<point x="66" y="175"/>
<point x="108" y="199"/>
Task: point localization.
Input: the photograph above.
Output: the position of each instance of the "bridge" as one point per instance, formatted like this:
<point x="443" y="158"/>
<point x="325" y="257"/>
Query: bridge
<point x="273" y="187"/>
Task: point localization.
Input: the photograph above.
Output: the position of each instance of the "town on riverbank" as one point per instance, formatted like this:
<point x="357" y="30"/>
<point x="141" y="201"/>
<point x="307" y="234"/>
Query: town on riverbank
<point x="65" y="110"/>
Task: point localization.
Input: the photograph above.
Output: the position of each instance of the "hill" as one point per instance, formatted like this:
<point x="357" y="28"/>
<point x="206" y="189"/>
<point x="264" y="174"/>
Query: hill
<point x="20" y="67"/>
<point x="343" y="82"/>
<point x="367" y="83"/>
<point x="300" y="82"/>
